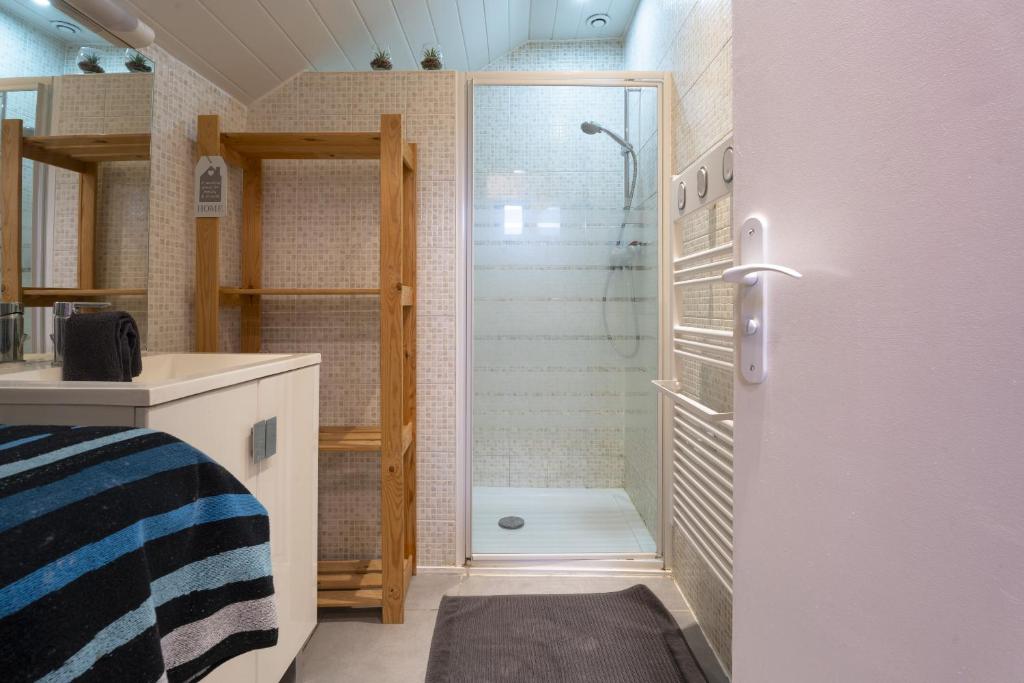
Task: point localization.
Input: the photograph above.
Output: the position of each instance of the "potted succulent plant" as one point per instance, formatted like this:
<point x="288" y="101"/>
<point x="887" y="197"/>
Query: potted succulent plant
<point x="89" y="62"/>
<point x="381" y="60"/>
<point x="136" y="62"/>
<point x="431" y="59"/>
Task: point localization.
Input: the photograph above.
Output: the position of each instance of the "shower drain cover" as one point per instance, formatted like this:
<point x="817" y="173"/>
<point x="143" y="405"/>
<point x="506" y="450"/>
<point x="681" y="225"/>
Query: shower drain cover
<point x="511" y="522"/>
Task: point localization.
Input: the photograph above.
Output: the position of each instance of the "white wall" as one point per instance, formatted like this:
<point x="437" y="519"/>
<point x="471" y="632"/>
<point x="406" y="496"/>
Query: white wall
<point x="880" y="469"/>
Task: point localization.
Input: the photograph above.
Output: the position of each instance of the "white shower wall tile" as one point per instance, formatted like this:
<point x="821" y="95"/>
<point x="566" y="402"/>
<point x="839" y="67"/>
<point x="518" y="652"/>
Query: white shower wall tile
<point x="563" y="55"/>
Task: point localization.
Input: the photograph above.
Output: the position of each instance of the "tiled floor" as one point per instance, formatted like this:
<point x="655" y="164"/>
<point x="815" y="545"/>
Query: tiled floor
<point x="558" y="521"/>
<point x="355" y="646"/>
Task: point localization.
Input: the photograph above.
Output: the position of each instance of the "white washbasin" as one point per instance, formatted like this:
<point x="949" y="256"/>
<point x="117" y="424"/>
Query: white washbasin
<point x="165" y="377"/>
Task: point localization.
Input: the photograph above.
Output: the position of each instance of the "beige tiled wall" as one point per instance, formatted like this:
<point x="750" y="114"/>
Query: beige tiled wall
<point x="321" y="227"/>
<point x="93" y="105"/>
<point x="692" y="39"/>
<point x="562" y="55"/>
<point x="179" y="96"/>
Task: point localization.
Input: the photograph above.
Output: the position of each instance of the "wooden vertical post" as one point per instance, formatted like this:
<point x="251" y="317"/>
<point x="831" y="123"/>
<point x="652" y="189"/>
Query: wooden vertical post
<point x="392" y="364"/>
<point x="10" y="210"/>
<point x="207" y="297"/>
<point x="87" y="182"/>
<point x="252" y="252"/>
<point x="409" y="348"/>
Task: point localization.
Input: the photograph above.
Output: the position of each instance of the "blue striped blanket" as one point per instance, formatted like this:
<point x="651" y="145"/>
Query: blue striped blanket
<point x="126" y="555"/>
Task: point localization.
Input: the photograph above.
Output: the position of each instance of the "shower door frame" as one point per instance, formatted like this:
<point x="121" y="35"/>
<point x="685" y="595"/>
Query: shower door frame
<point x="661" y="82"/>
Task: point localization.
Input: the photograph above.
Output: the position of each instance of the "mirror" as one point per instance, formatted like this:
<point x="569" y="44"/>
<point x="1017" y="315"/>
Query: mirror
<point x="84" y="229"/>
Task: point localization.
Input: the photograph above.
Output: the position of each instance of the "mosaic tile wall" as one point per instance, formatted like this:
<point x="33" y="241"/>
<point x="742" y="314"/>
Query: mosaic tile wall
<point x="692" y="39"/>
<point x="93" y="105"/>
<point x="27" y="51"/>
<point x="562" y="55"/>
<point x="321" y="228"/>
<point x="179" y="96"/>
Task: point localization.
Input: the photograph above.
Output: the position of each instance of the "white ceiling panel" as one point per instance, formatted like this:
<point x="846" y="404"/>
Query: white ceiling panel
<point x="249" y="47"/>
<point x="261" y="34"/>
<point x="567" y="19"/>
<point x="542" y="20"/>
<point x="518" y="22"/>
<point x="448" y="26"/>
<point x="346" y="25"/>
<point x="474" y="32"/>
<point x="498" y="34"/>
<point x="309" y="33"/>
<point x="417" y="25"/>
<point x="194" y="26"/>
<point x="382" y="22"/>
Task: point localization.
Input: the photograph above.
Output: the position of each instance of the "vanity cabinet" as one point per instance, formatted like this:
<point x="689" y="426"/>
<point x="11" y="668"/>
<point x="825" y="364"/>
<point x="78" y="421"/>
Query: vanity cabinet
<point x="218" y="419"/>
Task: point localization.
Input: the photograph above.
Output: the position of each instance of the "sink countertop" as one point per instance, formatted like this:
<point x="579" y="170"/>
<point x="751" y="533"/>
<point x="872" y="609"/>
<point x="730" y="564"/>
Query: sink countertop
<point x="165" y="377"/>
<point x="32" y="361"/>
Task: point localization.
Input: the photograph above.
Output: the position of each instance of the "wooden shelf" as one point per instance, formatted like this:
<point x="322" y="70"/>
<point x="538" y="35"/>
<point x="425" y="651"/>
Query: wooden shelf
<point x="302" y="145"/>
<point x="232" y="296"/>
<point x="353" y="583"/>
<point x="384" y="584"/>
<point x="47" y="296"/>
<point x="76" y="152"/>
<point x="349" y="439"/>
<point x="352" y="439"/>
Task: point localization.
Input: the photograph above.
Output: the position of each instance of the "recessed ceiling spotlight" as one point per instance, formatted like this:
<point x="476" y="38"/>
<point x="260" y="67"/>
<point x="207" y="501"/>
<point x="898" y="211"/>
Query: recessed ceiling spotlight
<point x="64" y="26"/>
<point x="42" y="3"/>
<point x="598" y="20"/>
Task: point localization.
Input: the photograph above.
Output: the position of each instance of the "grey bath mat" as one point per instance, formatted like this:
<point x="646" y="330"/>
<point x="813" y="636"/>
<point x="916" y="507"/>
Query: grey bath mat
<point x="622" y="637"/>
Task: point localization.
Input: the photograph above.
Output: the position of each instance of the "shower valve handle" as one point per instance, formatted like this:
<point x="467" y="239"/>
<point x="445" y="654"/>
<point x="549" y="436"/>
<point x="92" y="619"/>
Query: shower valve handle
<point x="748" y="274"/>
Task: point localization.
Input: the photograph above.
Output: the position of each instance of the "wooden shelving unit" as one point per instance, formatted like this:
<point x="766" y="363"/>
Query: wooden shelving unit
<point x="78" y="153"/>
<point x="379" y="582"/>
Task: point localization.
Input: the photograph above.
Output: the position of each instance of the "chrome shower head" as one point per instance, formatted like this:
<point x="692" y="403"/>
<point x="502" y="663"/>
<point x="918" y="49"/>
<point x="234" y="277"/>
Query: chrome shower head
<point x="592" y="128"/>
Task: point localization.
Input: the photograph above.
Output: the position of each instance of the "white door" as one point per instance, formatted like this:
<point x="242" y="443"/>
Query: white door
<point x="879" y="470"/>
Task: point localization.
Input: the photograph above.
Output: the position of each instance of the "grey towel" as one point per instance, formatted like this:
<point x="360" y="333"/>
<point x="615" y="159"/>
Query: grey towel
<point x="101" y="347"/>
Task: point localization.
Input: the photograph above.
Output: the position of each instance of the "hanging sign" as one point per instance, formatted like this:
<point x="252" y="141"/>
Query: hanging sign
<point x="211" y="179"/>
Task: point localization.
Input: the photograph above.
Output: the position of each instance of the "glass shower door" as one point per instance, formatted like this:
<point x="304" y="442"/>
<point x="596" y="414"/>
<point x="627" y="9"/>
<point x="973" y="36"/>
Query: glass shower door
<point x="564" y="320"/>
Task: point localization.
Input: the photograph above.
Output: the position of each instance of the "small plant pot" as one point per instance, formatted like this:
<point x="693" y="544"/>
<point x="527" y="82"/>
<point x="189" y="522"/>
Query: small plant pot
<point x="432" y="59"/>
<point x="136" y="62"/>
<point x="90" y="68"/>
<point x="89" y="62"/>
<point x="381" y="60"/>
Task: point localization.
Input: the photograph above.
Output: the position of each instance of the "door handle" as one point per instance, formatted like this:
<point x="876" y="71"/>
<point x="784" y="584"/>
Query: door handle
<point x="748" y="274"/>
<point x="752" y="298"/>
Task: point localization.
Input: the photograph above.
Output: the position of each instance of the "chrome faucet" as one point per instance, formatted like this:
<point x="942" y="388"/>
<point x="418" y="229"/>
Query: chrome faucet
<point x="62" y="310"/>
<point x="12" y="332"/>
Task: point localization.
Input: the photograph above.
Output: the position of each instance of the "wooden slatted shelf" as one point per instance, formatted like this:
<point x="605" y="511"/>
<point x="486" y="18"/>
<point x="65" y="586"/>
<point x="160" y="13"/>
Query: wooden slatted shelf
<point x="47" y="296"/>
<point x="354" y="583"/>
<point x="78" y="153"/>
<point x="349" y="439"/>
<point x="380" y="583"/>
<point x="358" y="439"/>
<point x="236" y="148"/>
<point x="232" y="296"/>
